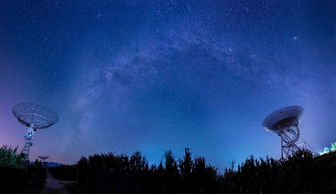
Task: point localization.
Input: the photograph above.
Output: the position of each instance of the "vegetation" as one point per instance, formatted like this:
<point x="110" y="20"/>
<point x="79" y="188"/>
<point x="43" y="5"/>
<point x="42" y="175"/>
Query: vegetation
<point x="119" y="174"/>
<point x="64" y="172"/>
<point x="16" y="176"/>
<point x="10" y="158"/>
<point x="109" y="173"/>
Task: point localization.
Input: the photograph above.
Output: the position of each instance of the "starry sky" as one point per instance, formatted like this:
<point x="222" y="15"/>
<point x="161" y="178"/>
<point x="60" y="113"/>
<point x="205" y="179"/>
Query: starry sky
<point x="132" y="75"/>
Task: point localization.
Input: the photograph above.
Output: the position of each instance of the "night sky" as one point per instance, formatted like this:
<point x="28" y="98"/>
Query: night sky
<point x="148" y="76"/>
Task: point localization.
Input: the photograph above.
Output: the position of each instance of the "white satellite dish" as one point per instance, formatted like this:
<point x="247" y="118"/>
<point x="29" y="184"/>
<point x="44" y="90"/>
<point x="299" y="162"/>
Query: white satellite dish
<point x="34" y="116"/>
<point x="285" y="123"/>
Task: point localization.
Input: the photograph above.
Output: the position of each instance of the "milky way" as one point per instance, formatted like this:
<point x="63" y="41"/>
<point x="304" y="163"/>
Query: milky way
<point x="150" y="76"/>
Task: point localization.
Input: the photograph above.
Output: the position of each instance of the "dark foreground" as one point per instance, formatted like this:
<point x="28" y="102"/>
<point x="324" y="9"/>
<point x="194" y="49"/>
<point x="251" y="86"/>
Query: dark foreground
<point x="22" y="180"/>
<point x="108" y="173"/>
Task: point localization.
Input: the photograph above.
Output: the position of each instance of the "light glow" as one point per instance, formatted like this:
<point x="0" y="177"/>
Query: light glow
<point x="327" y="150"/>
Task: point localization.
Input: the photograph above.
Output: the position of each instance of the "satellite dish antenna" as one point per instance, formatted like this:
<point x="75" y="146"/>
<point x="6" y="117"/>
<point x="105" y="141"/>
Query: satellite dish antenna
<point x="285" y="123"/>
<point x="33" y="116"/>
<point x="43" y="158"/>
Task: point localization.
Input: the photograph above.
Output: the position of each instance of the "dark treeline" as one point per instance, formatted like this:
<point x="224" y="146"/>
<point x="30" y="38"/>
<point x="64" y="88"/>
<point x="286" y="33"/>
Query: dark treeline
<point x="108" y="173"/>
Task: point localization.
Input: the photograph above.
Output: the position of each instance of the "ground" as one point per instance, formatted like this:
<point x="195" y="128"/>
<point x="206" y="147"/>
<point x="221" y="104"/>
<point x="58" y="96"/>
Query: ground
<point x="54" y="186"/>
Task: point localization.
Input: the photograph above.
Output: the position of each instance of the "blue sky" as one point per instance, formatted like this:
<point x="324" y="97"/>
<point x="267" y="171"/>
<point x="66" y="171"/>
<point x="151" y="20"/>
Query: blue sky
<point x="156" y="75"/>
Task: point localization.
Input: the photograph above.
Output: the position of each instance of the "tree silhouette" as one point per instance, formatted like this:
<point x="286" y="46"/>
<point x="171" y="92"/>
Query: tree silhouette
<point x="120" y="174"/>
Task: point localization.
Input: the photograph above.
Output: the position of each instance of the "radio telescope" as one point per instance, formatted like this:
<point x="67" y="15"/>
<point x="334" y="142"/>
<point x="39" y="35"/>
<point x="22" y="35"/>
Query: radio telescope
<point x="43" y="158"/>
<point x="285" y="123"/>
<point x="33" y="116"/>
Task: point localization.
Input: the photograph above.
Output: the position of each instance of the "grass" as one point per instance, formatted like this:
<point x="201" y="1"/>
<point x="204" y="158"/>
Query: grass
<point x="16" y="176"/>
<point x="10" y="158"/>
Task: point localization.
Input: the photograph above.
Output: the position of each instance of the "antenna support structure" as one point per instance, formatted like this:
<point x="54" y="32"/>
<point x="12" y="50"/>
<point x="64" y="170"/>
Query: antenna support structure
<point x="285" y="123"/>
<point x="289" y="137"/>
<point x="34" y="116"/>
<point x="28" y="139"/>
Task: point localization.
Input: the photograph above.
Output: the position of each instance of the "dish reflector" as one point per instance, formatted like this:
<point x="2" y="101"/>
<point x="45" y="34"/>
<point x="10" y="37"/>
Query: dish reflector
<point x="284" y="117"/>
<point x="35" y="115"/>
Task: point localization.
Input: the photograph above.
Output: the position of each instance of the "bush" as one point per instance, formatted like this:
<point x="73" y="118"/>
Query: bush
<point x="18" y="177"/>
<point x="108" y="173"/>
<point x="119" y="174"/>
<point x="22" y="180"/>
<point x="10" y="158"/>
<point x="64" y="172"/>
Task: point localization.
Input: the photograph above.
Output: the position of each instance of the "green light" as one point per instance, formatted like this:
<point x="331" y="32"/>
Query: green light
<point x="327" y="150"/>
